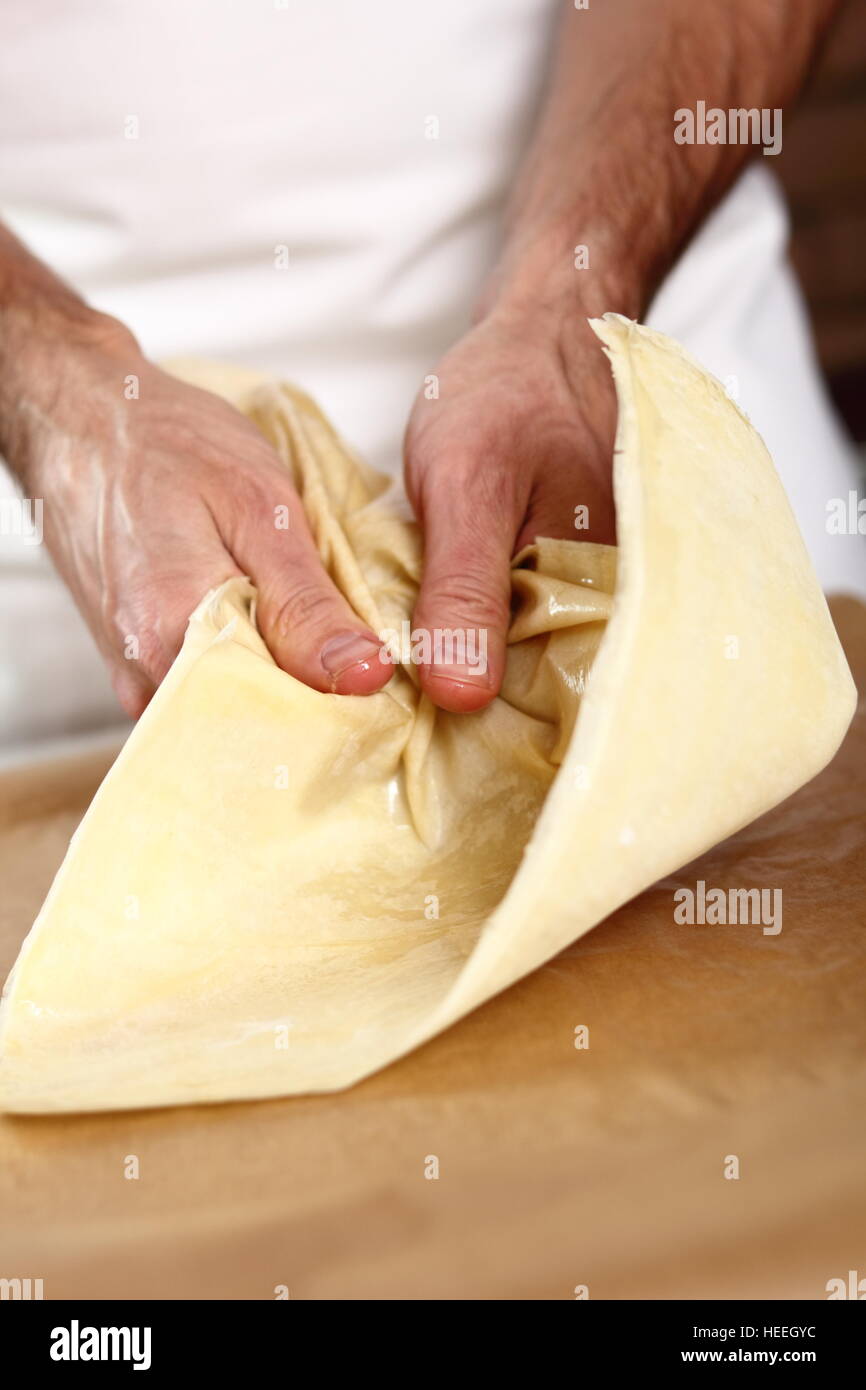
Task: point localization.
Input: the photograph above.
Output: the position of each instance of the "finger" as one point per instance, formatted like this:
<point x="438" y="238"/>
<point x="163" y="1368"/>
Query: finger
<point x="463" y="606"/>
<point x="133" y="690"/>
<point x="149" y="617"/>
<point x="310" y="628"/>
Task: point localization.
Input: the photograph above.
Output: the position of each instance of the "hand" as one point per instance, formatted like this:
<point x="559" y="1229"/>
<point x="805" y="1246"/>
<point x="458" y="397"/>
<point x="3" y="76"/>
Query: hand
<point x="149" y="503"/>
<point x="520" y="436"/>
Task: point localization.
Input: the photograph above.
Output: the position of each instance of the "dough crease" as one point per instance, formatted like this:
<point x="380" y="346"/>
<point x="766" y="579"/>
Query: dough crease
<point x="279" y="891"/>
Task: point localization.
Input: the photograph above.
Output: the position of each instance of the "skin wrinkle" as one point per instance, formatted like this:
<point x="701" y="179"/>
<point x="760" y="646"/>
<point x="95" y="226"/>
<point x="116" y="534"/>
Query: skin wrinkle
<point x="494" y="815"/>
<point x="526" y="384"/>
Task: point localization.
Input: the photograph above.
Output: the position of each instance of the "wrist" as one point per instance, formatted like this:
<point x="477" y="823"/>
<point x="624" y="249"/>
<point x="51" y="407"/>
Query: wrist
<point x="542" y="293"/>
<point x="55" y="351"/>
<point x="563" y="271"/>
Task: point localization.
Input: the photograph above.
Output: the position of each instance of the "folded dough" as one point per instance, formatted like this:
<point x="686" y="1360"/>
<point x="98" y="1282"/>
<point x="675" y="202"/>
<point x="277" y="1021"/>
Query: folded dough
<point x="277" y="890"/>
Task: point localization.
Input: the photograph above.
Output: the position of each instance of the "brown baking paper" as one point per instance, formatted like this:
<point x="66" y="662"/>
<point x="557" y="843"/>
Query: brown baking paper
<point x="558" y="1167"/>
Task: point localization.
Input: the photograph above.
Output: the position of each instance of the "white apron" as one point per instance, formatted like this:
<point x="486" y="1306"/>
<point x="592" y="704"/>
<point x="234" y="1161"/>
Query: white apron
<point x="169" y="158"/>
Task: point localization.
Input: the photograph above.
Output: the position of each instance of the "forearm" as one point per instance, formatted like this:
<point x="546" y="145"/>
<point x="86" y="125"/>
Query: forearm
<point x="604" y="170"/>
<point x="44" y="325"/>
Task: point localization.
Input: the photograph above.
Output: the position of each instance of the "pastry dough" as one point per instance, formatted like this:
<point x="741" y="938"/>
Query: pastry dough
<point x="277" y="890"/>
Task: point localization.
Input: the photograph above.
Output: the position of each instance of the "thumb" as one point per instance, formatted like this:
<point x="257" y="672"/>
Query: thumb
<point x="462" y="614"/>
<point x="310" y="629"/>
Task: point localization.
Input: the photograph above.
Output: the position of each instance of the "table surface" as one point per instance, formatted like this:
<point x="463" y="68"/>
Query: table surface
<point x="558" y="1167"/>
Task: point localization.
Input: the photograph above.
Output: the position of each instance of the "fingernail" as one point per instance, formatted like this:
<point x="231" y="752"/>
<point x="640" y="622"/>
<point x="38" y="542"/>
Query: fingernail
<point x="348" y="652"/>
<point x="461" y="674"/>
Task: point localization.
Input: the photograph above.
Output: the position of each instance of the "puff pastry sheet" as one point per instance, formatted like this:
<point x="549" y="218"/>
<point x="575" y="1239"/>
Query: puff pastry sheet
<point x="278" y="891"/>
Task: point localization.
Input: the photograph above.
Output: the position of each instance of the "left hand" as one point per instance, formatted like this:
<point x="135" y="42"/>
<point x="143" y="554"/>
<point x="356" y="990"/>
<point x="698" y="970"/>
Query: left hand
<point x="521" y="435"/>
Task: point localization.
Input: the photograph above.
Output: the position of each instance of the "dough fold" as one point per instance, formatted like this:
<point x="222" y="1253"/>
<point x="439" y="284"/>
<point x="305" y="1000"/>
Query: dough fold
<point x="279" y="891"/>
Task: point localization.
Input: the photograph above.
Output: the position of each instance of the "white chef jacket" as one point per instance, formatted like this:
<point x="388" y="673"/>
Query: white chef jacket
<point x="315" y="187"/>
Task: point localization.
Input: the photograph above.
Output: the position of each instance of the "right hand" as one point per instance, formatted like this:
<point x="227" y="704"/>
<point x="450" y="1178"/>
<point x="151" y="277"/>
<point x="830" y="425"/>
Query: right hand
<point x="149" y="503"/>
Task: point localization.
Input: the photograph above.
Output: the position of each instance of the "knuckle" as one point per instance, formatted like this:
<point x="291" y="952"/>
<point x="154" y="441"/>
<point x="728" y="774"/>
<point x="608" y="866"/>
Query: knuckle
<point x="132" y="694"/>
<point x="308" y="605"/>
<point x="152" y="657"/>
<point x="475" y="489"/>
<point x="243" y="505"/>
<point x="147" y="642"/>
<point x="241" y="508"/>
<point x="471" y="594"/>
